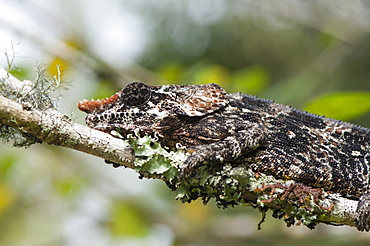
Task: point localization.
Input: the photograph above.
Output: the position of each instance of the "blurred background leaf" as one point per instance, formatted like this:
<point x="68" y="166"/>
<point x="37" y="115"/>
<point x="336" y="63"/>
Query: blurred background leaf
<point x="343" y="106"/>
<point x="128" y="220"/>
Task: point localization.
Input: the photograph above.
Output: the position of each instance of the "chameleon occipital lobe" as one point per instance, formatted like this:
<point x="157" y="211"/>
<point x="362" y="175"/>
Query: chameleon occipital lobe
<point x="267" y="137"/>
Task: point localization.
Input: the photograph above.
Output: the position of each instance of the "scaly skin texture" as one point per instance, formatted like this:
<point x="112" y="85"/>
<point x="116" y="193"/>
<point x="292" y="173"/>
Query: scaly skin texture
<point x="267" y="137"/>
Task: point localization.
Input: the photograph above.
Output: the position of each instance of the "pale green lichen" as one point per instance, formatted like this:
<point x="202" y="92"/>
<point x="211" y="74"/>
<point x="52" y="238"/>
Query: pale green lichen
<point x="228" y="184"/>
<point x="154" y="161"/>
<point x="37" y="94"/>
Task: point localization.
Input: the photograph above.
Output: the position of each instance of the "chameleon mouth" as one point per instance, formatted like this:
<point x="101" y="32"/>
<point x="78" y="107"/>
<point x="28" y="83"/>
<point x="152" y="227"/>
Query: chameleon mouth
<point x="108" y="122"/>
<point x="141" y="133"/>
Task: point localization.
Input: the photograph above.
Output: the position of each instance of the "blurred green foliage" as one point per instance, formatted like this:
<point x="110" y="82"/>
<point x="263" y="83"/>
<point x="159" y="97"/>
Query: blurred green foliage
<point x="343" y="106"/>
<point x="128" y="220"/>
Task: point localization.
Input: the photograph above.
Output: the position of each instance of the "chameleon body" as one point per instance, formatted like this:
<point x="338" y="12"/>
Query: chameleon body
<point x="268" y="137"/>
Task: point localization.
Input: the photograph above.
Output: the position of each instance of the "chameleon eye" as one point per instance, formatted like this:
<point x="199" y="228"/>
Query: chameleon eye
<point x="135" y="94"/>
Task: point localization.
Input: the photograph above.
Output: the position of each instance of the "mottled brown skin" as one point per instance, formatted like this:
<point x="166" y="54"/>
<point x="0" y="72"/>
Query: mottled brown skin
<point x="234" y="128"/>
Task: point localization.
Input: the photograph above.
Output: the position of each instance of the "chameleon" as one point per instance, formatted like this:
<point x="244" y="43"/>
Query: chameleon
<point x="267" y="137"/>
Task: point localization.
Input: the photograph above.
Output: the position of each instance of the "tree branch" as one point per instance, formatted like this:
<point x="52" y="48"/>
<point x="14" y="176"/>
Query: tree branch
<point x="228" y="184"/>
<point x="52" y="127"/>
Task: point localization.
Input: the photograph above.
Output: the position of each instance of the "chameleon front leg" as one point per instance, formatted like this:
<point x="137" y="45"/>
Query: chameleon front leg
<point x="363" y="213"/>
<point x="225" y="150"/>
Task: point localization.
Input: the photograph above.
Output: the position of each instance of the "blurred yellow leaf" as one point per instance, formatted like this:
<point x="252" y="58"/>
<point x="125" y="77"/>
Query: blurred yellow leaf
<point x="58" y="67"/>
<point x="343" y="106"/>
<point x="58" y="64"/>
<point x="7" y="198"/>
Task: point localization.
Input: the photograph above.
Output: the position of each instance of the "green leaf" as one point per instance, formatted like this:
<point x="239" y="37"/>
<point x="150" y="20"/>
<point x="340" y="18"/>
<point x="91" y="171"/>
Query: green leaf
<point x="212" y="74"/>
<point x="171" y="72"/>
<point x="341" y="105"/>
<point x="251" y="80"/>
<point x="128" y="220"/>
<point x="68" y="187"/>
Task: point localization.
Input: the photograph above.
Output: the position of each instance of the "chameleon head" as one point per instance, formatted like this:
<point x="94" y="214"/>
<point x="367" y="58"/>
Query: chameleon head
<point x="152" y="108"/>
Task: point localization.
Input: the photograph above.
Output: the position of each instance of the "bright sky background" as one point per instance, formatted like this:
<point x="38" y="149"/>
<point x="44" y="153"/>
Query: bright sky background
<point x="35" y="26"/>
